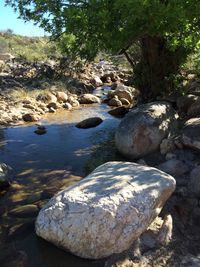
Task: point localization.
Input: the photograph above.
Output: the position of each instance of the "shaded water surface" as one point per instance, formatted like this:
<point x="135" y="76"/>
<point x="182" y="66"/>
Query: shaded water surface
<point x="42" y="164"/>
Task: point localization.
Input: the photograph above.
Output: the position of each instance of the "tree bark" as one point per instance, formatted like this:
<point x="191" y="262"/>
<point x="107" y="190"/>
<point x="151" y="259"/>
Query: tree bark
<point x="155" y="67"/>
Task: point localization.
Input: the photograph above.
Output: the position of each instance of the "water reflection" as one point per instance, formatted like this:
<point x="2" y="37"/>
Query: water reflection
<point x="3" y="141"/>
<point x="43" y="165"/>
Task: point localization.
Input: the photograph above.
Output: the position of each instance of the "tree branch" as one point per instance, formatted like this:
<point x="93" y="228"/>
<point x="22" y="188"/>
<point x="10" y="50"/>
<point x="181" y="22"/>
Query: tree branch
<point x="128" y="58"/>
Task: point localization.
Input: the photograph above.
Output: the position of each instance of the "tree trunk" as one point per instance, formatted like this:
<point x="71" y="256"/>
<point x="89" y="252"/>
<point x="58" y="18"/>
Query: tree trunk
<point x="156" y="66"/>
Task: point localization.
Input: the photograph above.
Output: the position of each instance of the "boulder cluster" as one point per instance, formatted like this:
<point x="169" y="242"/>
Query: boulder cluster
<point x="119" y="203"/>
<point x="25" y="96"/>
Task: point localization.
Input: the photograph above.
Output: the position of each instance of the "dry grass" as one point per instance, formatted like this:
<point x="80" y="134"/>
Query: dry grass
<point x="23" y="93"/>
<point x="27" y="93"/>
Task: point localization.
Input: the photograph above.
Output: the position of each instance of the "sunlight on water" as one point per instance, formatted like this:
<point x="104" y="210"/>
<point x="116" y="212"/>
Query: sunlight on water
<point x="43" y="165"/>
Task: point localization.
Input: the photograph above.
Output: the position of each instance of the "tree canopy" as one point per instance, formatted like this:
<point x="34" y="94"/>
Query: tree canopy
<point x="114" y="24"/>
<point x="89" y="26"/>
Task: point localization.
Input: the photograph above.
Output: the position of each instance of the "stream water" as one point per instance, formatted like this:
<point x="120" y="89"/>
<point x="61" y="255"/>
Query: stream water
<point x="41" y="165"/>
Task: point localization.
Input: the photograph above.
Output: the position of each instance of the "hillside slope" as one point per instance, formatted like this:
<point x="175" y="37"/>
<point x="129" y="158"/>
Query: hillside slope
<point x="27" y="48"/>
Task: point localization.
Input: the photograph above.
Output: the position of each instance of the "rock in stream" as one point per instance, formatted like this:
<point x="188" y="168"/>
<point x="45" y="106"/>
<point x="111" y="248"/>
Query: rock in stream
<point x="105" y="212"/>
<point x="143" y="129"/>
<point x="89" y="123"/>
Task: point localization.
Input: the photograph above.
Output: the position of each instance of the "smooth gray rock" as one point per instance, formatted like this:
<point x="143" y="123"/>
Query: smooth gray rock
<point x="25" y="211"/>
<point x="105" y="212"/>
<point x="142" y="130"/>
<point x="89" y="123"/>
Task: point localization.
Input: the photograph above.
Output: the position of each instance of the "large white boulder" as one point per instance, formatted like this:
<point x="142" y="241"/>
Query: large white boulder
<point x="142" y="130"/>
<point x="105" y="212"/>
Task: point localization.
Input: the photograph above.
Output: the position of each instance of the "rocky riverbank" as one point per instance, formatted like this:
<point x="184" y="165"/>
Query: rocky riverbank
<point x="28" y="91"/>
<point x="162" y="134"/>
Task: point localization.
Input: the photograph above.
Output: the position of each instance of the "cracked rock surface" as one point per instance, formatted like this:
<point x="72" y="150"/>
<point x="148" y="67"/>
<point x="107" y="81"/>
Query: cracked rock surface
<point x="105" y="212"/>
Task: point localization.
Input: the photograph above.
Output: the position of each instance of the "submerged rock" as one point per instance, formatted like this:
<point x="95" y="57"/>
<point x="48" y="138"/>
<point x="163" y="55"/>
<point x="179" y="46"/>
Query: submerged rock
<point x="29" y="210"/>
<point x="105" y="212"/>
<point x="89" y="123"/>
<point x="143" y="129"/>
<point x="40" y="130"/>
<point x="20" y="230"/>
